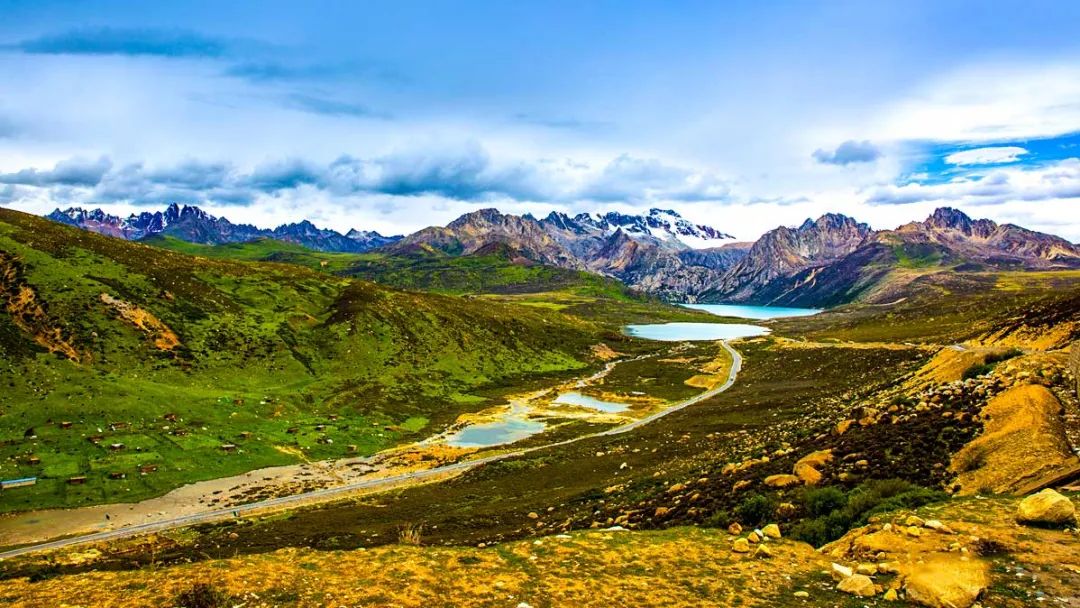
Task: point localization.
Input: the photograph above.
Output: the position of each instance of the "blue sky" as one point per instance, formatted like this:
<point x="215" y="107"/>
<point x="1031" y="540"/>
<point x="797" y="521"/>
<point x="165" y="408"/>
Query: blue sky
<point x="396" y="115"/>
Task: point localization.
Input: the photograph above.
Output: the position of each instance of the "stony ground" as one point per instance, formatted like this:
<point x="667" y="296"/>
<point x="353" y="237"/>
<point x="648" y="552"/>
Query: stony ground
<point x="676" y="567"/>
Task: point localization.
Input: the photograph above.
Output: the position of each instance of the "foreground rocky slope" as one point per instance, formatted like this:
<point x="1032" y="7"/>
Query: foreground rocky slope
<point x="944" y="555"/>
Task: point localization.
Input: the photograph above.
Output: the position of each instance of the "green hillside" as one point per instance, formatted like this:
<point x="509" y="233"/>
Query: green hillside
<point x="170" y="357"/>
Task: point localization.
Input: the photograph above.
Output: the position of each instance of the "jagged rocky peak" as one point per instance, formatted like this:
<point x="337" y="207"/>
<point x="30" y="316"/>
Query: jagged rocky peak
<point x="190" y="223"/>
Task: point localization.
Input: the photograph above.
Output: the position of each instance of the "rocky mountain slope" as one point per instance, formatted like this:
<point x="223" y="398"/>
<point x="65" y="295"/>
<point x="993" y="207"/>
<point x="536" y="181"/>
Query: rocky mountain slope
<point x="192" y="224"/>
<point x="835" y="260"/>
<point x="660" y="252"/>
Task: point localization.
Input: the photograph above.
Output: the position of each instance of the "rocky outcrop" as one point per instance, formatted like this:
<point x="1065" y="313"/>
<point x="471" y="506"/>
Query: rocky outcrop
<point x="1023" y="439"/>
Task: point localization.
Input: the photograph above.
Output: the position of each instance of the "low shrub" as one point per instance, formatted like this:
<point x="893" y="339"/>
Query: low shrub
<point x="832" y="512"/>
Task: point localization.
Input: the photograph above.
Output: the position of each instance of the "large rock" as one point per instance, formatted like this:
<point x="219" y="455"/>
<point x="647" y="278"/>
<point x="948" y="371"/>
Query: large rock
<point x="808" y="474"/>
<point x="858" y="584"/>
<point x="1047" y="508"/>
<point x="946" y="581"/>
<point x="782" y="481"/>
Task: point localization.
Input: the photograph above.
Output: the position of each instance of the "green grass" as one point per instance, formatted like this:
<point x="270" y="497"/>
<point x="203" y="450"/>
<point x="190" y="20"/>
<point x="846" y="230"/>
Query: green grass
<point x="266" y="348"/>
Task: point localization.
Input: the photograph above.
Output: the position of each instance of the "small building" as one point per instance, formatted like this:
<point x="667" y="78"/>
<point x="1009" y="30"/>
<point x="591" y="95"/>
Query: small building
<point x="116" y="447"/>
<point x="118" y="426"/>
<point x="245" y="435"/>
<point x="65" y="424"/>
<point x="332" y="417"/>
<point x="32" y="460"/>
<point x="320" y="427"/>
<point x="179" y="432"/>
<point x="352" y="449"/>
<point x="147" y="468"/>
<point x="95" y="439"/>
<point x="228" y="447"/>
<point x="77" y="480"/>
<point x="117" y="475"/>
<point x="17" y="483"/>
<point x="292" y="430"/>
<point x="171" y="417"/>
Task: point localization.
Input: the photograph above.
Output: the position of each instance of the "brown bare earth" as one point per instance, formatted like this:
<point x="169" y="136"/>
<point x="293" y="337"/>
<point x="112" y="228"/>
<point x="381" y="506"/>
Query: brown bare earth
<point x="159" y="333"/>
<point x="28" y="313"/>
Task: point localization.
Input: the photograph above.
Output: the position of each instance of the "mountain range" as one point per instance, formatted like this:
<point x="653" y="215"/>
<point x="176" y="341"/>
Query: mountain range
<point x="831" y="260"/>
<point x="192" y="224"/>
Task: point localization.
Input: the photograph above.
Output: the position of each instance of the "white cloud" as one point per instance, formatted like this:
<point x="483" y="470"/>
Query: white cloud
<point x="992" y="155"/>
<point x="992" y="101"/>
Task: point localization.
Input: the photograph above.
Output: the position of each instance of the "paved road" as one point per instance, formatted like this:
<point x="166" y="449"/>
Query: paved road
<point x="324" y="494"/>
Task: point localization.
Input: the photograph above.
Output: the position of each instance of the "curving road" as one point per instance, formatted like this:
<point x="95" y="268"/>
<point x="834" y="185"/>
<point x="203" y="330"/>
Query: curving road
<point x="385" y="482"/>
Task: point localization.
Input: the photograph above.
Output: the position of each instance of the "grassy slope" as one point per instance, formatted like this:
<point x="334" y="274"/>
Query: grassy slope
<point x="945" y="306"/>
<point x="264" y="348"/>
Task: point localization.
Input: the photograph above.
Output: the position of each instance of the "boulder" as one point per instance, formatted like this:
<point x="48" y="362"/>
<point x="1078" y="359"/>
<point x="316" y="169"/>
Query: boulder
<point x="843" y="426"/>
<point x="771" y="531"/>
<point x="817" y="459"/>
<point x="1046" y="508"/>
<point x="754" y="537"/>
<point x="946" y="581"/>
<point x="858" y="584"/>
<point x="807" y="473"/>
<point x="840" y="572"/>
<point x="741" y="545"/>
<point x="782" y="481"/>
<point x="735" y="529"/>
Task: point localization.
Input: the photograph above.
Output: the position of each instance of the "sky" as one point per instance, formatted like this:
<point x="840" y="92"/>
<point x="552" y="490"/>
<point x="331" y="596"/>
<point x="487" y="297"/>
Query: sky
<point x="397" y="115"/>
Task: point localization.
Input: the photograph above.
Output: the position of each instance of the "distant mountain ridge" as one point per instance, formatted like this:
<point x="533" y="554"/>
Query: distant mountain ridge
<point x="832" y="260"/>
<point x="192" y="224"/>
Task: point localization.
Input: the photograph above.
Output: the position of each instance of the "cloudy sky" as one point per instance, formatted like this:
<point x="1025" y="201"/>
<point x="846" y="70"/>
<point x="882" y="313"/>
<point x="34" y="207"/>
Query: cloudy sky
<point x="397" y="115"/>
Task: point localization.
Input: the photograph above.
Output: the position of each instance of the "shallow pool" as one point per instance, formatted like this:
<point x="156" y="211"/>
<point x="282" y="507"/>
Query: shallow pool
<point x="575" y="398"/>
<point x="514" y="426"/>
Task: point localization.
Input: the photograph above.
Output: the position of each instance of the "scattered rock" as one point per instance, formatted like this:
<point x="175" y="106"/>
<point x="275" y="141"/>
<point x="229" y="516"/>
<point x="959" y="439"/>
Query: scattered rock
<point x="843" y="426"/>
<point x="754" y="537"/>
<point x="735" y="529"/>
<point x="802" y="594"/>
<point x="741" y="545"/>
<point x="937" y="526"/>
<point x="763" y="552"/>
<point x="771" y="531"/>
<point x="661" y="511"/>
<point x="890" y="596"/>
<point x="1048" y="508"/>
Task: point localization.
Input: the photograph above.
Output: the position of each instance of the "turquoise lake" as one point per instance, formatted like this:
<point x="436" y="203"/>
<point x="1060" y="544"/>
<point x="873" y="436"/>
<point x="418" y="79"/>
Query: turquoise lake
<point x="678" y="332"/>
<point x="754" y="312"/>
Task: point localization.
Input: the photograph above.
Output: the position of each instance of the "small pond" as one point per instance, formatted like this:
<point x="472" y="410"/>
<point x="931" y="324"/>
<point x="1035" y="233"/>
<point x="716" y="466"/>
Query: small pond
<point x="575" y="398"/>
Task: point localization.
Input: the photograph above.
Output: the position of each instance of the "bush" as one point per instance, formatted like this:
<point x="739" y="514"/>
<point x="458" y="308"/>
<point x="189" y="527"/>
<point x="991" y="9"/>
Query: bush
<point x="977" y="370"/>
<point x="822" y="501"/>
<point x="1002" y="356"/>
<point x="756" y="510"/>
<point x="832" y="512"/>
